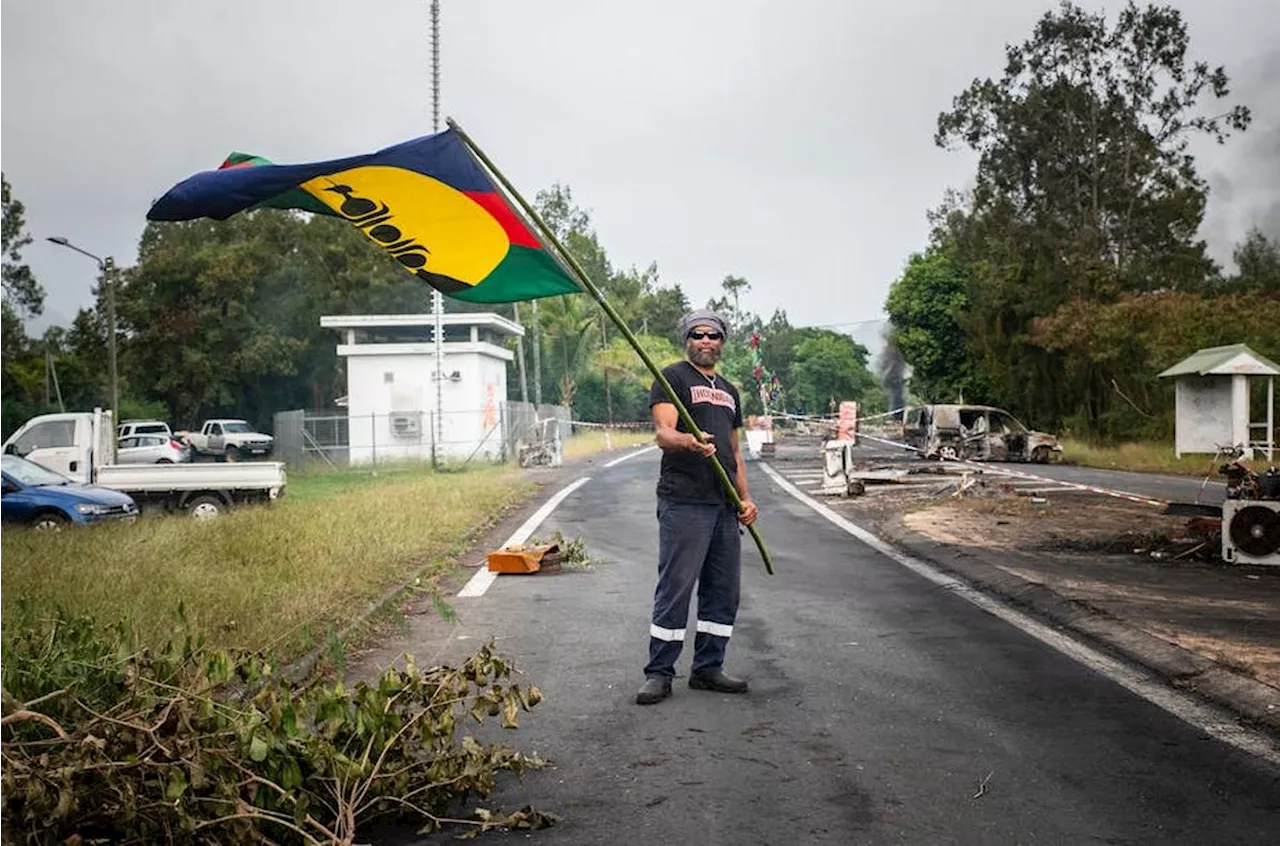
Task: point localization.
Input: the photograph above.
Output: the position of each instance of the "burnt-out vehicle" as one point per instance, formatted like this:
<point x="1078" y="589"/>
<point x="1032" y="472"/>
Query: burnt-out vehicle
<point x="978" y="432"/>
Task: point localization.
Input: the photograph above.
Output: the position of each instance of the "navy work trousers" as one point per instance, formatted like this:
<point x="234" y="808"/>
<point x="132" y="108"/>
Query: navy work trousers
<point x="700" y="544"/>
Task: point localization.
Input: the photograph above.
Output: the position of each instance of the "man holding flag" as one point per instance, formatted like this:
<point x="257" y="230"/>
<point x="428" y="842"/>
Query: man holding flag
<point x="699" y="540"/>
<point x="434" y="205"/>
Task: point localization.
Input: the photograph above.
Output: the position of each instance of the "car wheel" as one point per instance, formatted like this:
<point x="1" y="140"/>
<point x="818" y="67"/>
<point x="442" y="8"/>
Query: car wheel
<point x="49" y="521"/>
<point x="205" y="507"/>
<point x="231" y="454"/>
<point x="163" y="461"/>
<point x="1040" y="455"/>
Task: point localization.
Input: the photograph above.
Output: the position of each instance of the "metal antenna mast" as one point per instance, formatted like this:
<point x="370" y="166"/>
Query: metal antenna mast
<point x="437" y="299"/>
<point x="435" y="65"/>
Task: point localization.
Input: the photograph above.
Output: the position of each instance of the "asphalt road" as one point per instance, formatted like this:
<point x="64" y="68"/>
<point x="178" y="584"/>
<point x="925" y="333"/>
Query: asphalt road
<point x="1169" y="488"/>
<point x="882" y="708"/>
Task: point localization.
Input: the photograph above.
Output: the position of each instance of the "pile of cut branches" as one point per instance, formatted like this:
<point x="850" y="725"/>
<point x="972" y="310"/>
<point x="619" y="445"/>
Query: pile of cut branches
<point x="105" y="741"/>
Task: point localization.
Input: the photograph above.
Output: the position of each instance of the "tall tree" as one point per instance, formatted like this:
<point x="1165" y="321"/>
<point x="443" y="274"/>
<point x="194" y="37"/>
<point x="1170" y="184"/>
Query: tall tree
<point x="734" y="287"/>
<point x="831" y="367"/>
<point x="15" y="352"/>
<point x="572" y="227"/>
<point x="729" y="303"/>
<point x="224" y="317"/>
<point x="1085" y="187"/>
<point x="662" y="306"/>
<point x="20" y="286"/>
<point x="568" y="329"/>
<point x="927" y="306"/>
<point x="570" y="326"/>
<point x="1257" y="260"/>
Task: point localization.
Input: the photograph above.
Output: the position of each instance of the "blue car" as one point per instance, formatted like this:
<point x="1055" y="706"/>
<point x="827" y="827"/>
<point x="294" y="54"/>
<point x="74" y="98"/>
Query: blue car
<point x="42" y="499"/>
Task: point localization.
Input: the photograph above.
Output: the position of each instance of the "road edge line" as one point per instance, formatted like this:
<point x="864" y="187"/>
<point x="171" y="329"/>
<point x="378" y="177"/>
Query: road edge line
<point x="630" y="455"/>
<point x="484" y="577"/>
<point x="1214" y="720"/>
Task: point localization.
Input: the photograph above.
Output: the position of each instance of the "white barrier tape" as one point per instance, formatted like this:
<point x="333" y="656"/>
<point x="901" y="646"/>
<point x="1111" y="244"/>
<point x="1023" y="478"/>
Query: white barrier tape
<point x="642" y="424"/>
<point x="1019" y="474"/>
<point x="834" y="418"/>
<point x="810" y="418"/>
<point x="882" y="414"/>
<point x="829" y="418"/>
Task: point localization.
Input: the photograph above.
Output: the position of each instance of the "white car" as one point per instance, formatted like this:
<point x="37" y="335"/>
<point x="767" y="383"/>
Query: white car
<point x="151" y="449"/>
<point x="230" y="438"/>
<point x="129" y="428"/>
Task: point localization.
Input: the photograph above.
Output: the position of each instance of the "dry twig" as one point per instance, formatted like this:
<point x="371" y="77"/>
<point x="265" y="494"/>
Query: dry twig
<point x="982" y="785"/>
<point x="25" y="715"/>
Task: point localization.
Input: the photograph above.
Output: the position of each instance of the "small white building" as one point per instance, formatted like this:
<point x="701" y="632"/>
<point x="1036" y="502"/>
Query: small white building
<point x="1212" y="407"/>
<point x="391" y="400"/>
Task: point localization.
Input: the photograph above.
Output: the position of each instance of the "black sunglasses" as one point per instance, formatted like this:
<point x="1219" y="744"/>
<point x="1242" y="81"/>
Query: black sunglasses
<point x="698" y="336"/>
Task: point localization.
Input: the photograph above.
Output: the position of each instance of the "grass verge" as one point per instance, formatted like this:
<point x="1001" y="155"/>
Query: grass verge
<point x="593" y="440"/>
<point x="1139" y="457"/>
<point x="279" y="577"/>
<point x="320" y="483"/>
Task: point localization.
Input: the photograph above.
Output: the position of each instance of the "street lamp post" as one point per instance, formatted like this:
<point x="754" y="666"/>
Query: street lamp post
<point x="105" y="268"/>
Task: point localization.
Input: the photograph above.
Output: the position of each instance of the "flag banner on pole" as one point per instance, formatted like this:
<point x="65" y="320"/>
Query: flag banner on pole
<point x="427" y="202"/>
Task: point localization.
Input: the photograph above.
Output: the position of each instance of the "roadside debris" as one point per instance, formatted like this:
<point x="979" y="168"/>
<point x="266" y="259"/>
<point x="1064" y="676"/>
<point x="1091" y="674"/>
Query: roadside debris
<point x="525" y="558"/>
<point x="549" y="555"/>
<point x="1245" y="529"/>
<point x="543" y="447"/>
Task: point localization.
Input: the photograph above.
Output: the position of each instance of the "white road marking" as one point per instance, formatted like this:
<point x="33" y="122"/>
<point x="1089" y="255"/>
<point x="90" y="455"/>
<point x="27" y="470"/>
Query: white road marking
<point x="621" y="459"/>
<point x="1210" y="719"/>
<point x="813" y="478"/>
<point x="987" y="467"/>
<point x="485" y="577"/>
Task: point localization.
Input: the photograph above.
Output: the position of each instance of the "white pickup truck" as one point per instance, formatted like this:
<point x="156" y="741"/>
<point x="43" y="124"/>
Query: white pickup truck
<point x="82" y="446"/>
<point x="229" y="439"/>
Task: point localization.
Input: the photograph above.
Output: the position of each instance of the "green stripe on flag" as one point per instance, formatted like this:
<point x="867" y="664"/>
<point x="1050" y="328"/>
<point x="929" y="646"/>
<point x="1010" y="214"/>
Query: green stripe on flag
<point x="525" y="274"/>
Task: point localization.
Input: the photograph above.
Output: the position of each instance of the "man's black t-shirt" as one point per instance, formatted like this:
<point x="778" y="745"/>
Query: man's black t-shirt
<point x="717" y="409"/>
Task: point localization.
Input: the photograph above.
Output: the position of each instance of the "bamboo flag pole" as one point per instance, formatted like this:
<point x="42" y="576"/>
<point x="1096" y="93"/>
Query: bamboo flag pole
<point x="613" y="315"/>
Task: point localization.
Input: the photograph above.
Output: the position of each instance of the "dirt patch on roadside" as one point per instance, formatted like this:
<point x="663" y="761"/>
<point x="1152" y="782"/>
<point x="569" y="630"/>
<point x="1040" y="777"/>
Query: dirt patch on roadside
<point x="1065" y="523"/>
<point x="1122" y="559"/>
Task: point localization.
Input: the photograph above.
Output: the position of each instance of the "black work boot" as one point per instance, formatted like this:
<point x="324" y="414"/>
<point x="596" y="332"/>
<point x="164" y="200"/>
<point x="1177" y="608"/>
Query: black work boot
<point x="654" y="691"/>
<point x="717" y="681"/>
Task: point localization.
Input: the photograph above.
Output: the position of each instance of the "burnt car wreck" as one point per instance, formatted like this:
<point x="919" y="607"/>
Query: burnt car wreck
<point x="976" y="432"/>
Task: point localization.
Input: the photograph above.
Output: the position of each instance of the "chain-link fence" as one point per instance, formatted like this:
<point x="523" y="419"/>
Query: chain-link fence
<point x="509" y="431"/>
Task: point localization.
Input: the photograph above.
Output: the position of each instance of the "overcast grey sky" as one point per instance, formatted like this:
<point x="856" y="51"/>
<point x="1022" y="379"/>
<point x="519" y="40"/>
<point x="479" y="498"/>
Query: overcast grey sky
<point x="790" y="143"/>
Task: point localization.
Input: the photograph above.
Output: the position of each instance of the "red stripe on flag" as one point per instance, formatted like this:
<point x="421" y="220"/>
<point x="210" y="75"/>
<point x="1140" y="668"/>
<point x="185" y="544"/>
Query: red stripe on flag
<point x="494" y="204"/>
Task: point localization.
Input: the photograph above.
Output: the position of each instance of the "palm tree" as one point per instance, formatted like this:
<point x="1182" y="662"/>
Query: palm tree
<point x="568" y="322"/>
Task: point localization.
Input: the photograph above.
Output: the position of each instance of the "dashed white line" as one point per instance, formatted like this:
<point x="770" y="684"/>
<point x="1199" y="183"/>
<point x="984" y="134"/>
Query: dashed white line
<point x="1214" y="721"/>
<point x="484" y="577"/>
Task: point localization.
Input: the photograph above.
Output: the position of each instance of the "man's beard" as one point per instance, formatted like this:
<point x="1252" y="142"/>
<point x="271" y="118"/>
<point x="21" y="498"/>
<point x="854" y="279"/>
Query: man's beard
<point x="704" y="358"/>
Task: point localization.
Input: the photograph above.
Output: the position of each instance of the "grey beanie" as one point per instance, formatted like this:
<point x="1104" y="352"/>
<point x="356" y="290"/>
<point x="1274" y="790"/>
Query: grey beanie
<point x="702" y="317"/>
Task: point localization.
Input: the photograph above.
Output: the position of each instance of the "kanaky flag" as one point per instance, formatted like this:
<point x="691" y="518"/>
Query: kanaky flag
<point x="427" y="202"/>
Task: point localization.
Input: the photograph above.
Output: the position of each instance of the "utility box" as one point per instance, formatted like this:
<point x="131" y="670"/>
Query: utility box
<point x="837" y="467"/>
<point x="1212" y="404"/>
